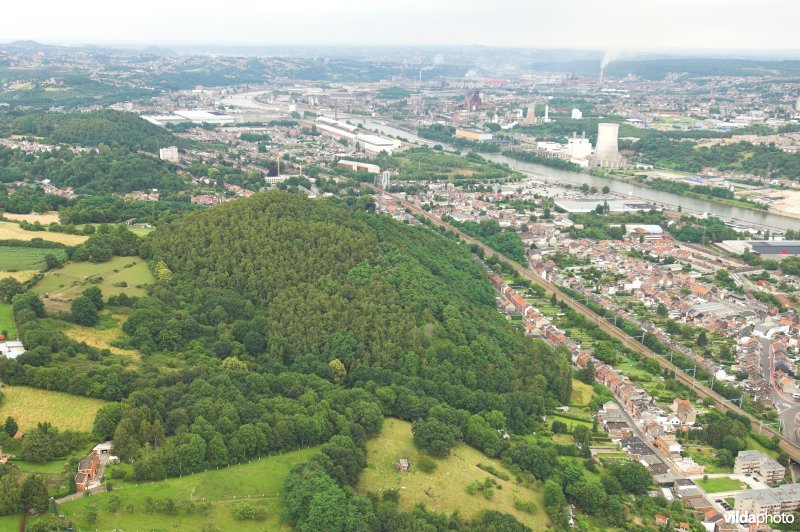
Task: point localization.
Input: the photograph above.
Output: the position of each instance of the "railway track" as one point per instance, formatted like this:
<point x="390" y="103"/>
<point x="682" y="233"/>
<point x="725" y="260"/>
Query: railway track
<point x="791" y="449"/>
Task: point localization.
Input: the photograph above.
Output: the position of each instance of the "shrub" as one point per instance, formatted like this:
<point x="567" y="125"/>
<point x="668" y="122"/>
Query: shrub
<point x="426" y="464"/>
<point x="391" y="496"/>
<point x="490" y="469"/>
<point x="246" y="511"/>
<point x="525" y="506"/>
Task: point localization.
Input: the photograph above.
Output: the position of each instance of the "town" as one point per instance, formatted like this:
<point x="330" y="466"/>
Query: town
<point x="399" y="287"/>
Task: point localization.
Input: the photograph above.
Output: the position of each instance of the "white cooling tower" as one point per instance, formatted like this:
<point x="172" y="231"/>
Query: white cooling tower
<point x="606" y="153"/>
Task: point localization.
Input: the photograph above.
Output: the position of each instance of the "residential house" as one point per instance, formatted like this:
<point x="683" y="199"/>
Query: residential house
<point x="87" y="470"/>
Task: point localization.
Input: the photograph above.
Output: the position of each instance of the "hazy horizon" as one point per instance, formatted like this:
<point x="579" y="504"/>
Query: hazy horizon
<point x="719" y="26"/>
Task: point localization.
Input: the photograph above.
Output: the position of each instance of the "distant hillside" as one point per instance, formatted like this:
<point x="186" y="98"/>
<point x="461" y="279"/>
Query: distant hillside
<point x="659" y="68"/>
<point x="113" y="128"/>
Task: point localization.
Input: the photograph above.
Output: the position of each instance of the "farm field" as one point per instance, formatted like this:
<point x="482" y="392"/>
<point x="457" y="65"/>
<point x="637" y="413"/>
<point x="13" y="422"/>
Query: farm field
<point x="44" y="218"/>
<point x="23" y="258"/>
<point x="717" y="485"/>
<point x="262" y="479"/>
<point x="21" y="276"/>
<point x="7" y="321"/>
<point x="29" y="406"/>
<point x="445" y="489"/>
<point x="108" y="330"/>
<point x="68" y="282"/>
<point x="12" y="231"/>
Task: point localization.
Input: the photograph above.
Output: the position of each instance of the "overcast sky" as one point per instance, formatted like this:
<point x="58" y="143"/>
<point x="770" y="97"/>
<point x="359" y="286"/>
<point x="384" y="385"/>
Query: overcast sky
<point x="597" y="24"/>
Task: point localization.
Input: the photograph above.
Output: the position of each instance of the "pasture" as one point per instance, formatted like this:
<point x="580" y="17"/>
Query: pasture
<point x="445" y="489"/>
<point x="260" y="480"/>
<point x="21" y="276"/>
<point x="102" y="336"/>
<point x="12" y="231"/>
<point x="66" y="283"/>
<point x="44" y="218"/>
<point x="29" y="406"/>
<point x="7" y="321"/>
<point x="18" y="258"/>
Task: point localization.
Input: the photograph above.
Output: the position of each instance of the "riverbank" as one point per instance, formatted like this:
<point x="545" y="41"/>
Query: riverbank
<point x="751" y="205"/>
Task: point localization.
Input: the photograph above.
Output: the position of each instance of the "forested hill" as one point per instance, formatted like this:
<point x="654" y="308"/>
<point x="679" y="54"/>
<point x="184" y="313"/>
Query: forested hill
<point x="112" y="128"/>
<point x="286" y="282"/>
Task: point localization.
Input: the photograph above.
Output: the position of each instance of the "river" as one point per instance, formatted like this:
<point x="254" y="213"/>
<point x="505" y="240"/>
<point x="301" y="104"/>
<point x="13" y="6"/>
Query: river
<point x="668" y="199"/>
<point x="752" y="217"/>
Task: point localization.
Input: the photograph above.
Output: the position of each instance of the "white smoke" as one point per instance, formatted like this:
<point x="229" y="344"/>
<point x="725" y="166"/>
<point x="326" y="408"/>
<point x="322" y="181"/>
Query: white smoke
<point x="608" y="57"/>
<point x="471" y="73"/>
<point x="438" y="59"/>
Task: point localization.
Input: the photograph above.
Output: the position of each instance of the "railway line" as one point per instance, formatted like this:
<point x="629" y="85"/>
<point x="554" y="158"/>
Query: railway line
<point x="791" y="449"/>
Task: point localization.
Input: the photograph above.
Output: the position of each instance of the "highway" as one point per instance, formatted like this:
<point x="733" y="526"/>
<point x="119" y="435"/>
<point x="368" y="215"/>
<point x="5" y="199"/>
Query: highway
<point x="789" y="446"/>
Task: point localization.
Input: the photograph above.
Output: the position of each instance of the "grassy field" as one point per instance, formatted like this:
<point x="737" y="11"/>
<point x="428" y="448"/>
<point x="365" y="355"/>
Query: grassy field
<point x="581" y="393"/>
<point x="21" y="276"/>
<point x="706" y="456"/>
<point x="717" y="485"/>
<point x="571" y="423"/>
<point x="755" y="445"/>
<point x="31" y="405"/>
<point x="44" y="218"/>
<point x="102" y="335"/>
<point x="12" y="231"/>
<point x="22" y="258"/>
<point x="7" y="321"/>
<point x="66" y="283"/>
<point x="445" y="489"/>
<point x="261" y="479"/>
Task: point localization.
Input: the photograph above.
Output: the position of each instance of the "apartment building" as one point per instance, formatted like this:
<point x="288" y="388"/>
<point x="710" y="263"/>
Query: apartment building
<point x="756" y="462"/>
<point x="771" y="501"/>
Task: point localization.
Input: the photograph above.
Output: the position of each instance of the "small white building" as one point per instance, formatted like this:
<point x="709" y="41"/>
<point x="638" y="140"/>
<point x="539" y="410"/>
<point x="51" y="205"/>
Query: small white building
<point x="11" y="348"/>
<point x="169" y="153"/>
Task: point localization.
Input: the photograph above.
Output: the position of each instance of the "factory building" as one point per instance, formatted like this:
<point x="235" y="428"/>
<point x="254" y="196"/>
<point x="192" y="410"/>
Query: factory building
<point x="196" y="116"/>
<point x="579" y="147"/>
<point x="589" y="204"/>
<point x="473" y="134"/>
<point x="358" y="166"/>
<point x="377" y="144"/>
<point x="577" y="114"/>
<point x="776" y="249"/>
<point x="369" y="142"/>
